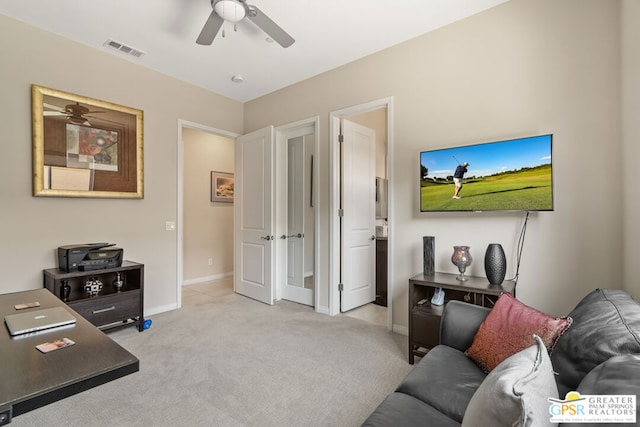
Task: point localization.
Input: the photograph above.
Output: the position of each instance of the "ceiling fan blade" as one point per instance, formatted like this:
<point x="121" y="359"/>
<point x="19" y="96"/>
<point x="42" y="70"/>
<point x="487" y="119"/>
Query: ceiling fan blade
<point x="210" y="29"/>
<point x="53" y="107"/>
<point x="272" y="29"/>
<point x="54" y="113"/>
<point x="101" y="119"/>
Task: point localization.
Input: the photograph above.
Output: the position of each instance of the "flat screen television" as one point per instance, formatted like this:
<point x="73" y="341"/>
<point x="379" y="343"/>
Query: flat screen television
<point x="511" y="175"/>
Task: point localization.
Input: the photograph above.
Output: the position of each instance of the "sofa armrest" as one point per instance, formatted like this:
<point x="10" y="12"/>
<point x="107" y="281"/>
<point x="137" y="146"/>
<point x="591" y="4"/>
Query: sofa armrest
<point x="460" y="322"/>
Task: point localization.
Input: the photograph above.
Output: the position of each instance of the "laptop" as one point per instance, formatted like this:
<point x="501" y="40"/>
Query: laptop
<point x="32" y="321"/>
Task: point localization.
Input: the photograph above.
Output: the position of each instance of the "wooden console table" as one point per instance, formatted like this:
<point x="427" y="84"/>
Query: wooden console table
<point x="424" y="318"/>
<point x="110" y="308"/>
<point x="32" y="379"/>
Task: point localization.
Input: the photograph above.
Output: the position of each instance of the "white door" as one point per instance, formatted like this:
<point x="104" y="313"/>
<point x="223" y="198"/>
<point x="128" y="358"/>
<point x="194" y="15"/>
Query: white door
<point x="253" y="215"/>
<point x="299" y="234"/>
<point x="358" y="245"/>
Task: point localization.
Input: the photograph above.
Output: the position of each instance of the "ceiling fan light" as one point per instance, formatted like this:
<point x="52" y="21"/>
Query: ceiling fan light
<point x="230" y="10"/>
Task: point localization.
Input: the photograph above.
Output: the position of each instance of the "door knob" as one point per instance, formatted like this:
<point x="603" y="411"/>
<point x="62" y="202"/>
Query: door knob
<point x="373" y="237"/>
<point x="266" y="237"/>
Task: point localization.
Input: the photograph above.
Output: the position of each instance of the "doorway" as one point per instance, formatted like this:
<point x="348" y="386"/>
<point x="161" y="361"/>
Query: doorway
<point x="205" y="263"/>
<point x="304" y="132"/>
<point x="383" y="170"/>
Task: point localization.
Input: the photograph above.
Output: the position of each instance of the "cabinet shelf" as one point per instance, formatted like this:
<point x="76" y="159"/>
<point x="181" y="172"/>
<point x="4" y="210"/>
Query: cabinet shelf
<point x="110" y="307"/>
<point x="424" y="319"/>
<point x="428" y="309"/>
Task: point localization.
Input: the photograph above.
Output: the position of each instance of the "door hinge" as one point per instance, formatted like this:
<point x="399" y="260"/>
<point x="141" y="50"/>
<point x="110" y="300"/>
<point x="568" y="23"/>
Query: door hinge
<point x="340" y="287"/>
<point x="341" y="138"/>
<point x="340" y="212"/>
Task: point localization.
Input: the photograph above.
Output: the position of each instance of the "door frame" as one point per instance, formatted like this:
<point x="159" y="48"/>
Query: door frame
<point x="180" y="199"/>
<point x="334" y="200"/>
<point x="281" y="138"/>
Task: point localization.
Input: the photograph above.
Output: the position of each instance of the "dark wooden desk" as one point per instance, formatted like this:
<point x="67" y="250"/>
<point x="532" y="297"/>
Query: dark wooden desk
<point x="31" y="379"/>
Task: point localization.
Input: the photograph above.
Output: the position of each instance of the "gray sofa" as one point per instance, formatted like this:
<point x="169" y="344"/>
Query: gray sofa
<point x="598" y="355"/>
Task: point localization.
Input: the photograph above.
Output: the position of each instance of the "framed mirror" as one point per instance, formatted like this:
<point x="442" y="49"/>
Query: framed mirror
<point x="84" y="147"/>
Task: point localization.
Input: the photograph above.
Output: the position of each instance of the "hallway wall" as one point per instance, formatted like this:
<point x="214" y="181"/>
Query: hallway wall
<point x="208" y="226"/>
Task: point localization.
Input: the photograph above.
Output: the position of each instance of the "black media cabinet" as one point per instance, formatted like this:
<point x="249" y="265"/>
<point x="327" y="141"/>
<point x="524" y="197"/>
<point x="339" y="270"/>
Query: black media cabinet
<point x="109" y="308"/>
<point x="424" y="318"/>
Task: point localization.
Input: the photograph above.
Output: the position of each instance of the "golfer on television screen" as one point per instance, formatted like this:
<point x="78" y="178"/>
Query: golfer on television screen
<point x="458" y="175"/>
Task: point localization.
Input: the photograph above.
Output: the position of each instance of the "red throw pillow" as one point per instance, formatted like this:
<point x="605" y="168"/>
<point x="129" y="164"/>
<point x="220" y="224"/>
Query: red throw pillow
<point x="509" y="328"/>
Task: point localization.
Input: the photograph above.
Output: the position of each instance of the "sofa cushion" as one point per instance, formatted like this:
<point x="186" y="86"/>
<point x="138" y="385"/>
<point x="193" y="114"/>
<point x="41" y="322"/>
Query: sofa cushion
<point x="460" y="322"/>
<point x="606" y="324"/>
<point x="444" y="379"/>
<point x="516" y="391"/>
<point x="619" y="375"/>
<point x="402" y="410"/>
<point x="509" y="328"/>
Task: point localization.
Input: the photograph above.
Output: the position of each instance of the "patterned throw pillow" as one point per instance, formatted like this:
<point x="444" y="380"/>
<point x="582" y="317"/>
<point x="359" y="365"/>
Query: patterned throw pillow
<point x="509" y="328"/>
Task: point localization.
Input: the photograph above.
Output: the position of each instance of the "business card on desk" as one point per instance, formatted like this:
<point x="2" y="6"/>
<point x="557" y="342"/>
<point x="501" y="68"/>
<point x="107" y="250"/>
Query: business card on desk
<point x="54" y="345"/>
<point x="27" y="305"/>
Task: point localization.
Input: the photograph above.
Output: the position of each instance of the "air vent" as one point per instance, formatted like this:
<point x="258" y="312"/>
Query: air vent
<point x="110" y="43"/>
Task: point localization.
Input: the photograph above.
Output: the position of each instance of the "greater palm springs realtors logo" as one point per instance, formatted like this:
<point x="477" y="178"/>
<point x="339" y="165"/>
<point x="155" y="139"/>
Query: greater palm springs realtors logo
<point x="577" y="408"/>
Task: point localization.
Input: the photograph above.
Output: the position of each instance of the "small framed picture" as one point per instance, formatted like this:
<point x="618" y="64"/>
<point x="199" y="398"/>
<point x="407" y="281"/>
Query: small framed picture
<point x="222" y="187"/>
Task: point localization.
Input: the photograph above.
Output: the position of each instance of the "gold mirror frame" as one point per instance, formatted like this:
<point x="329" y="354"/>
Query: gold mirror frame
<point x="84" y="147"/>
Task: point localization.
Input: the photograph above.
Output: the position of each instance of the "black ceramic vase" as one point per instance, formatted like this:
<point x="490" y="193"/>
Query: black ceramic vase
<point x="495" y="263"/>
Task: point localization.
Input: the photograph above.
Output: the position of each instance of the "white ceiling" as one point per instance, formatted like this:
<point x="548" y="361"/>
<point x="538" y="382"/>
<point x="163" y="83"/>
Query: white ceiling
<point x="328" y="34"/>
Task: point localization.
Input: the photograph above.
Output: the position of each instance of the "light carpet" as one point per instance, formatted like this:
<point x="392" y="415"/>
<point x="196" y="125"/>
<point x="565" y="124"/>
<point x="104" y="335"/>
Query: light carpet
<point x="227" y="360"/>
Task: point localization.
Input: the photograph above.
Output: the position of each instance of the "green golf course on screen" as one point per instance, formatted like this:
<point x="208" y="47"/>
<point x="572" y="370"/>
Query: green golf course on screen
<point x="506" y="175"/>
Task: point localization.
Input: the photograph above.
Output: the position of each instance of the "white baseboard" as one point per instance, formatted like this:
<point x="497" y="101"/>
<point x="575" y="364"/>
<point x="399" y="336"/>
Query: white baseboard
<point x="206" y="278"/>
<point x="160" y="309"/>
<point x="169" y="307"/>
<point x="322" y="310"/>
<point x="401" y="330"/>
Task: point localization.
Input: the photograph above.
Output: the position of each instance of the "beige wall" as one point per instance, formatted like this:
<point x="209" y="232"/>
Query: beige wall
<point x="631" y="138"/>
<point x="31" y="228"/>
<point x="208" y="226"/>
<point x="525" y="67"/>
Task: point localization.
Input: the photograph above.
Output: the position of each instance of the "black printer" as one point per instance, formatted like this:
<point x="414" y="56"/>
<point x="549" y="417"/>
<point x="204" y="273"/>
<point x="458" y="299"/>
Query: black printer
<point x="89" y="256"/>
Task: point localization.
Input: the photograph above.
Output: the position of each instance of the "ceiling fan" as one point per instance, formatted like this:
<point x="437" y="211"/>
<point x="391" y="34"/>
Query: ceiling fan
<point x="235" y="11"/>
<point x="75" y="113"/>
